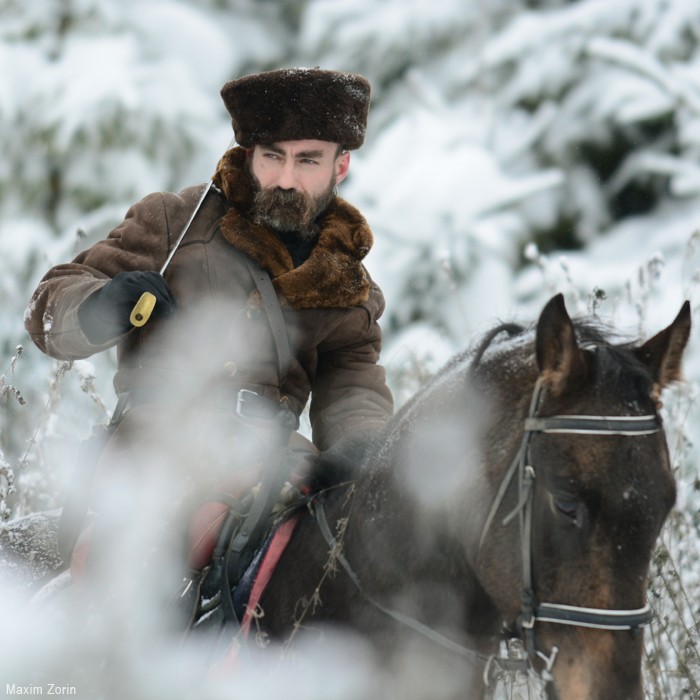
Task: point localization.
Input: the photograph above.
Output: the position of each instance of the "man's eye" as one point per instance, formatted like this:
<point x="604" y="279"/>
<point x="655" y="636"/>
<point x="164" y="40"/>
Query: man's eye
<point x="309" y="161"/>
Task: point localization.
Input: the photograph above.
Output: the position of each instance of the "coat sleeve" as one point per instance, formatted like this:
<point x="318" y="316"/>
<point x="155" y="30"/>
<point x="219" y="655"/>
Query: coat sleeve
<point x="140" y="242"/>
<point x="350" y="399"/>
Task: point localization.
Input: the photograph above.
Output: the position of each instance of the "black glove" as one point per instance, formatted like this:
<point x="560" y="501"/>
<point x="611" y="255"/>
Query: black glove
<point x="104" y="315"/>
<point x="343" y="460"/>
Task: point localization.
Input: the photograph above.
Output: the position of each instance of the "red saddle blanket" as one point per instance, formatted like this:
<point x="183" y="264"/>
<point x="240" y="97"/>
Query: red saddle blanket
<point x="249" y="590"/>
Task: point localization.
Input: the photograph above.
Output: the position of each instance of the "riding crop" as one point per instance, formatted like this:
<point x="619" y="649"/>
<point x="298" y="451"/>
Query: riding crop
<point x="144" y="306"/>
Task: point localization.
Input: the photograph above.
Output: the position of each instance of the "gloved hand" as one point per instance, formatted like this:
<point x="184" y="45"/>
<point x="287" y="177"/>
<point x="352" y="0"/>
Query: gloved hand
<point x="104" y="315"/>
<point x="344" y="460"/>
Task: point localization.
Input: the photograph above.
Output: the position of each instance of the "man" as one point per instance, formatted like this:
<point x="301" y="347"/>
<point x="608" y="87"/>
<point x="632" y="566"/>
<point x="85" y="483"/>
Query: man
<point x="203" y="374"/>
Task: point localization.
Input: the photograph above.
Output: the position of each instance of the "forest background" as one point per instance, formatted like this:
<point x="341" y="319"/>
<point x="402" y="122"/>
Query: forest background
<point x="515" y="149"/>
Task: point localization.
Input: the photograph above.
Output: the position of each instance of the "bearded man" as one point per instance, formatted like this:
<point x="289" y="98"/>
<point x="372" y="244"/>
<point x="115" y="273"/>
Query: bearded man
<point x="204" y="373"/>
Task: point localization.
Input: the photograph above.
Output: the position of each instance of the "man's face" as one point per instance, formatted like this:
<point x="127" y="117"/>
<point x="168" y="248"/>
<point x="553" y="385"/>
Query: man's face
<point x="296" y="181"/>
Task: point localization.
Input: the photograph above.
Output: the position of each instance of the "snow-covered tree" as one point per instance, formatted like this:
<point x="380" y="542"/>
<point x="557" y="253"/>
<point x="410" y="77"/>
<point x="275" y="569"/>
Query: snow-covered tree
<point x="515" y="148"/>
<point x="102" y="103"/>
<point x="498" y="126"/>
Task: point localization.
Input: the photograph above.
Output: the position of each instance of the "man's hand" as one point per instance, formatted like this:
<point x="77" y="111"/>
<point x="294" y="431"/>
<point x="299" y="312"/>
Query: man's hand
<point x="104" y="315"/>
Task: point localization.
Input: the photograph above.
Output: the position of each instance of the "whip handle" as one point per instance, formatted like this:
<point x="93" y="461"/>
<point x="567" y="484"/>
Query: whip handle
<point x="142" y="309"/>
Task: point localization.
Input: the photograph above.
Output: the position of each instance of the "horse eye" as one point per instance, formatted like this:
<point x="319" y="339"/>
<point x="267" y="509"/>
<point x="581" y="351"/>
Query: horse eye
<point x="567" y="507"/>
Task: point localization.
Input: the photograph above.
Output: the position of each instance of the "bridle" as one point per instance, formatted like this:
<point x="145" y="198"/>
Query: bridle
<point x="533" y="611"/>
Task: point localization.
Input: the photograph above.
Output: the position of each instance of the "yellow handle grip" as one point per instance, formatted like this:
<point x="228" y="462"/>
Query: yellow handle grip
<point x="142" y="309"/>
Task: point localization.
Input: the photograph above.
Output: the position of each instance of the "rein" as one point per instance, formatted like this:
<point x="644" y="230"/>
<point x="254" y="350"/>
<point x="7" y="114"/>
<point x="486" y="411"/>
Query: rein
<point x="508" y="664"/>
<point x="317" y="510"/>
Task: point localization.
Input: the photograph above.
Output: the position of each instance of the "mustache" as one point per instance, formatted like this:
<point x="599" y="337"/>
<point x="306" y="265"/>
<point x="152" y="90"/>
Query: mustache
<point x="290" y="210"/>
<point x="284" y="209"/>
<point x="289" y="199"/>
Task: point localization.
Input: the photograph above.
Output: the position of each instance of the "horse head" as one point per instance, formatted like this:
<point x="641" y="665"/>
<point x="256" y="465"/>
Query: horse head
<point x="580" y="485"/>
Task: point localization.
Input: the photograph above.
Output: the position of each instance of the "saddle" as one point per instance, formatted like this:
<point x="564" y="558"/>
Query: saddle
<point x="228" y="537"/>
<point x="227" y="584"/>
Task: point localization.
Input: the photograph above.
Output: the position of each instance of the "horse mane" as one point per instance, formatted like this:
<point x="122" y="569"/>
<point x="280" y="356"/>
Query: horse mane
<point x="511" y="329"/>
<point x="618" y="360"/>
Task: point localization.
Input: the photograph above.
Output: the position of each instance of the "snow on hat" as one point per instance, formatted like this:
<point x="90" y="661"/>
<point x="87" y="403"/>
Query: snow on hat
<point x="298" y="103"/>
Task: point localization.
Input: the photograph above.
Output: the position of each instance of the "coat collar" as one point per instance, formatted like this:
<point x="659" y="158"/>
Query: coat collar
<point x="332" y="276"/>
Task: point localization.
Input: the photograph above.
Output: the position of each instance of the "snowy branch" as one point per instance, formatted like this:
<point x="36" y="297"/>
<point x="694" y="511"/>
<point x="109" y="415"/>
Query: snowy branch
<point x="637" y="60"/>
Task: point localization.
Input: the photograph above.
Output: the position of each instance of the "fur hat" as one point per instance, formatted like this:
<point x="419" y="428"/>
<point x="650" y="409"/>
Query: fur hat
<point x="298" y="103"/>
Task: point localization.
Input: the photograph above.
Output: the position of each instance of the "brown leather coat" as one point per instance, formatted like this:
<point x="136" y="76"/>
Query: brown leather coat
<point x="330" y="304"/>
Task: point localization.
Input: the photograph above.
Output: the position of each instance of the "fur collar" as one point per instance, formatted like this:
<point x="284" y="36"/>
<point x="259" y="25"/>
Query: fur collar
<point x="333" y="275"/>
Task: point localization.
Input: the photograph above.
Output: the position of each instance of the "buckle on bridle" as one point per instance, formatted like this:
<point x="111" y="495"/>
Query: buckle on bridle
<point x="529" y="623"/>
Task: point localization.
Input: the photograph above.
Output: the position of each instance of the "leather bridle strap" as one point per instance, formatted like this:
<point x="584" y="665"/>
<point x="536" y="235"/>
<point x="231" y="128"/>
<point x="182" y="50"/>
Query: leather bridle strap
<point x="594" y="618"/>
<point x="532" y="612"/>
<point x="555" y="613"/>
<point x="594" y="425"/>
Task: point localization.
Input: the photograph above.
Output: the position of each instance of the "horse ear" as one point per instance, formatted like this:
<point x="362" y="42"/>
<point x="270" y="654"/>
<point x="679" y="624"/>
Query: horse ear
<point x="559" y="357"/>
<point x="664" y="352"/>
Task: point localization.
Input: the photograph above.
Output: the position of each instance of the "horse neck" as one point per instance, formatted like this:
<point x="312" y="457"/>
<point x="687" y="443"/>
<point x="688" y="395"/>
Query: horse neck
<point x="400" y="519"/>
<point x="405" y="556"/>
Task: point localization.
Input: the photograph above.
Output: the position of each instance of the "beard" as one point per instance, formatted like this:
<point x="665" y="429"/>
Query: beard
<point x="290" y="210"/>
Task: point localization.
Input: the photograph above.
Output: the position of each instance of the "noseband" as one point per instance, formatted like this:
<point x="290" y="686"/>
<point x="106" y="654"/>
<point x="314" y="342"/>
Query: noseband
<point x="531" y="610"/>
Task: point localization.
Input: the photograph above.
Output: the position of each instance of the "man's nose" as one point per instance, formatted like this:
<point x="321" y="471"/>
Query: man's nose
<point x="286" y="179"/>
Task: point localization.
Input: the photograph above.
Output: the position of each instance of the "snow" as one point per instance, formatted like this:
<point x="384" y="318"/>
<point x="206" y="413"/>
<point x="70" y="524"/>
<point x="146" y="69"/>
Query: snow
<point x="493" y="126"/>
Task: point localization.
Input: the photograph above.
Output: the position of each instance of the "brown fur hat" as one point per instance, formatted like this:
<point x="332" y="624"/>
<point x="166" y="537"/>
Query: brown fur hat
<point x="298" y="103"/>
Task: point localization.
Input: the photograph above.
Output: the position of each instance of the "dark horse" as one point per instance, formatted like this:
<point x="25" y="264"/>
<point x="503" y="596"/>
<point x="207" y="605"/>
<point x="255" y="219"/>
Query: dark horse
<point x="512" y="505"/>
<point x="520" y="494"/>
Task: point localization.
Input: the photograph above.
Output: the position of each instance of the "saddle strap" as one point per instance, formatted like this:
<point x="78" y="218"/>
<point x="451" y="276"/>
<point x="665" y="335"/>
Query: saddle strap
<point x="276" y="468"/>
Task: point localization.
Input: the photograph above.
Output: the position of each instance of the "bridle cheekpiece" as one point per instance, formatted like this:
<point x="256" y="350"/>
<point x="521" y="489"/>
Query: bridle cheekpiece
<point x="533" y="611"/>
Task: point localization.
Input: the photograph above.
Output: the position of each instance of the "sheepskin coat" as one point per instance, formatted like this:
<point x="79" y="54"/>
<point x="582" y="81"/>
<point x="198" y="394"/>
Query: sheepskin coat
<point x="219" y="340"/>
